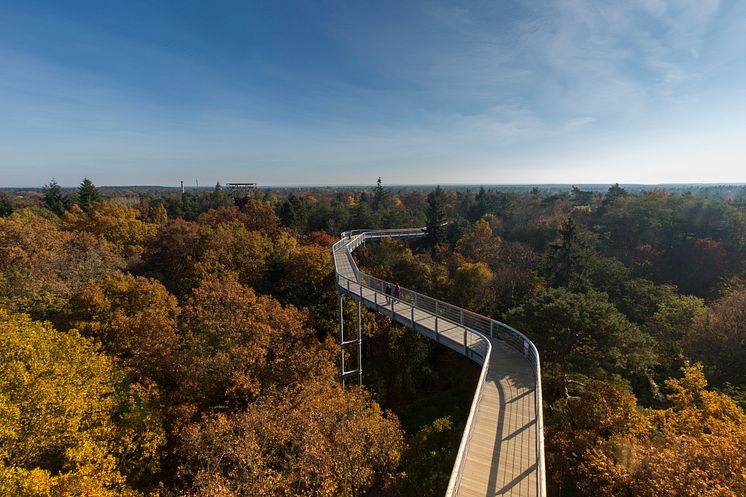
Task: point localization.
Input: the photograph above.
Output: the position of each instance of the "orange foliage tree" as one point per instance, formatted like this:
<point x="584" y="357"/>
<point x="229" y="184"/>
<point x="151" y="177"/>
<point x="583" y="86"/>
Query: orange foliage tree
<point x="41" y="267"/>
<point x="135" y="319"/>
<point x="600" y="444"/>
<point x="238" y="343"/>
<point x="173" y="253"/>
<point x="256" y="215"/>
<point x="118" y="224"/>
<point x="717" y="339"/>
<point x="310" y="439"/>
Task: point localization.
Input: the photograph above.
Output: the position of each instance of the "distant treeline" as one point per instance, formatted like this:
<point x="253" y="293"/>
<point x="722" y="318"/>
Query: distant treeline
<point x="722" y="191"/>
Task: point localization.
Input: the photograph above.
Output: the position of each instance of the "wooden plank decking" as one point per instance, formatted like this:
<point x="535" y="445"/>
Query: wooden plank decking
<point x="500" y="457"/>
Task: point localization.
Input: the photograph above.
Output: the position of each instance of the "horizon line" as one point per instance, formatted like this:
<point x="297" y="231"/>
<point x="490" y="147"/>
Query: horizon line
<point x="392" y="185"/>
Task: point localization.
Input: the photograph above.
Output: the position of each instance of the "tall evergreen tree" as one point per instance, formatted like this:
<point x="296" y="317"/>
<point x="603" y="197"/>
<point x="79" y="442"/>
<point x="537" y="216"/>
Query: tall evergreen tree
<point x="6" y="204"/>
<point x="54" y="199"/>
<point x="87" y="194"/>
<point x="615" y="192"/>
<point x="379" y="195"/>
<point x="480" y="206"/>
<point x="294" y="213"/>
<point x="436" y="216"/>
<point x="568" y="259"/>
<point x="579" y="196"/>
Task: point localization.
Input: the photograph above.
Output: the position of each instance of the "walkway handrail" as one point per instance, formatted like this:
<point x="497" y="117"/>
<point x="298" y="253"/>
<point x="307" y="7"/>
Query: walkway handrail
<point x="476" y="324"/>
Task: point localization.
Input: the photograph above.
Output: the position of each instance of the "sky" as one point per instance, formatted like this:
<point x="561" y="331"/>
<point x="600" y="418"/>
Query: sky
<point x="344" y="91"/>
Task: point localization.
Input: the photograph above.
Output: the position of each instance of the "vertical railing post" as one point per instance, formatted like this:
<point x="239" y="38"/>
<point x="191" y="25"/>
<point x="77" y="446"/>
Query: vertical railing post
<point x="437" y="312"/>
<point x="413" y="316"/>
<point x="437" y="333"/>
<point x="461" y="316"/>
<point x="466" y="348"/>
<point x="492" y="327"/>
<point x="375" y="300"/>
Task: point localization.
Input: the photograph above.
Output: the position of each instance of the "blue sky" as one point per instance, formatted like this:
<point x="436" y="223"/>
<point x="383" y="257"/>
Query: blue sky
<point x="341" y="92"/>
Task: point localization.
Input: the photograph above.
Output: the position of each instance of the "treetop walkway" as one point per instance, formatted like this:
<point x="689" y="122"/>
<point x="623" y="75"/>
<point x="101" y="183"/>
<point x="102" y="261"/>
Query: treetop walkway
<point x="502" y="448"/>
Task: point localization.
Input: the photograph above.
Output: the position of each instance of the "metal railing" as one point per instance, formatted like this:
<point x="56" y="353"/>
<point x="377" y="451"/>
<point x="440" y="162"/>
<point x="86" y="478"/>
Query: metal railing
<point x="476" y="327"/>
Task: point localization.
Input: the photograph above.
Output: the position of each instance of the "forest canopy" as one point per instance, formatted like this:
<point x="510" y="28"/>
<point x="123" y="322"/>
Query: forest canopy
<point x="185" y="344"/>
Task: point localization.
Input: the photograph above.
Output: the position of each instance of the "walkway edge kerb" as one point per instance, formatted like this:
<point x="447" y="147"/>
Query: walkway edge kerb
<point x="356" y="284"/>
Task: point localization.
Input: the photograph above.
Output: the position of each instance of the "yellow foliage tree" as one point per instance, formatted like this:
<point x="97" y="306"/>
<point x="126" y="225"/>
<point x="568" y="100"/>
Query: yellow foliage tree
<point x="480" y="244"/>
<point x="471" y="286"/>
<point x="229" y="246"/>
<point x="699" y="446"/>
<point x="590" y="434"/>
<point x="697" y="411"/>
<point x="57" y="398"/>
<point x="303" y="275"/>
<point x="116" y="223"/>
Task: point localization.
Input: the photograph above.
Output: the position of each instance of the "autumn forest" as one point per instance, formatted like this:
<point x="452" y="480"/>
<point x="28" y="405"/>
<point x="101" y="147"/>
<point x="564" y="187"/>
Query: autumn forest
<point x="176" y="344"/>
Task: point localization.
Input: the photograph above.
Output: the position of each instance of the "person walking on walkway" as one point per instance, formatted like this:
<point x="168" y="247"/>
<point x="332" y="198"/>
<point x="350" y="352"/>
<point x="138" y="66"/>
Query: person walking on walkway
<point x="397" y="291"/>
<point x="388" y="293"/>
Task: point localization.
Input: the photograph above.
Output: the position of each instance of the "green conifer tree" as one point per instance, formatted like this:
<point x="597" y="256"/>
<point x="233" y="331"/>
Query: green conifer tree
<point x="87" y="194"/>
<point x="568" y="259"/>
<point x="6" y="205"/>
<point x="379" y="195"/>
<point x="436" y="216"/>
<point x="54" y="199"/>
<point x="614" y="193"/>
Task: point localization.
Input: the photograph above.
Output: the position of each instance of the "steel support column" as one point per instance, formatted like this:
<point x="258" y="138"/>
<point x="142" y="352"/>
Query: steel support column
<point x="342" y="338"/>
<point x="359" y="344"/>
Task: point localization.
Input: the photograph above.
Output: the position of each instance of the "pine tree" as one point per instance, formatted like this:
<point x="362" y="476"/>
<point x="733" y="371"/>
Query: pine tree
<point x="379" y="195"/>
<point x="480" y="206"/>
<point x="614" y="193"/>
<point x="54" y="199"/>
<point x="6" y="204"/>
<point x="568" y="259"/>
<point x="436" y="216"/>
<point x="87" y="194"/>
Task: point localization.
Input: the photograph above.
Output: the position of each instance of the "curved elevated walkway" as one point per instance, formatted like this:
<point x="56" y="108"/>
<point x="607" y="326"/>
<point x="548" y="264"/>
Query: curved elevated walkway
<point x="502" y="448"/>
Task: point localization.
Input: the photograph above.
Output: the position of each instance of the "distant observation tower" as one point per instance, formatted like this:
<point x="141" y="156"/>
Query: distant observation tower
<point x="241" y="192"/>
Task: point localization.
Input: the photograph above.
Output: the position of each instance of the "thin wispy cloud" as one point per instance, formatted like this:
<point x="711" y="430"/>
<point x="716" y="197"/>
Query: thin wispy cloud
<point x="341" y="92"/>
